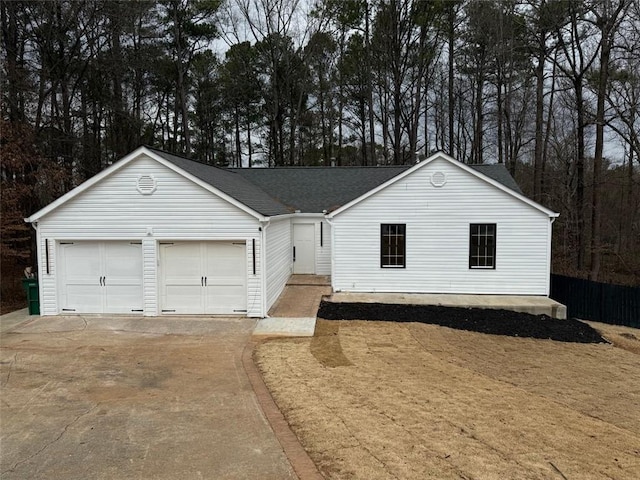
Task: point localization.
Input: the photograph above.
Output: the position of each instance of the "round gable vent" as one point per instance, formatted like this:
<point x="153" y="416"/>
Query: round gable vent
<point x="438" y="179"/>
<point x="146" y="184"/>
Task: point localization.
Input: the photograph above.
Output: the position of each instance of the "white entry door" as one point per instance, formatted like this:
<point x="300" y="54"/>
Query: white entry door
<point x="203" y="277"/>
<point x="100" y="277"/>
<point x="304" y="251"/>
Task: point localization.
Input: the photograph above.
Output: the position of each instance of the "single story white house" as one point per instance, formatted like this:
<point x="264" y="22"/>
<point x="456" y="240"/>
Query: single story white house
<point x="158" y="234"/>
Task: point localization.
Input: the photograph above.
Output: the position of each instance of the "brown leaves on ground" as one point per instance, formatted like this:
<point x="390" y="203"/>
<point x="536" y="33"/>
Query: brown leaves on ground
<point x="415" y="401"/>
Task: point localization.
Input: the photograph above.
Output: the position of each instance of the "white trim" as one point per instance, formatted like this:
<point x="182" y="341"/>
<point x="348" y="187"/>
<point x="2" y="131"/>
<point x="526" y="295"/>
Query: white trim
<point x="42" y="268"/>
<point x="333" y="249"/>
<point x="297" y="215"/>
<point x="264" y="313"/>
<point x="451" y="160"/>
<point x="125" y="161"/>
<point x="549" y="246"/>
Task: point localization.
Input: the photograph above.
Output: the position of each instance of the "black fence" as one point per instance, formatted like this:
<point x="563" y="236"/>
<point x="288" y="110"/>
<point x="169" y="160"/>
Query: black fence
<point x="602" y="302"/>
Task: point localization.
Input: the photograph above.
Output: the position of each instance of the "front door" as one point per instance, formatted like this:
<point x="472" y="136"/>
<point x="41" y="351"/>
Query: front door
<point x="304" y="252"/>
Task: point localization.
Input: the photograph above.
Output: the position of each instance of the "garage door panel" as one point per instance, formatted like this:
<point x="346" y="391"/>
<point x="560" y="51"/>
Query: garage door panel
<point x="181" y="277"/>
<point x="226" y="278"/>
<point x="123" y="263"/>
<point x="182" y="264"/>
<point x="82" y="298"/>
<point x="203" y="277"/>
<point x="226" y="299"/>
<point x="79" y="268"/>
<point x="80" y="289"/>
<point x="182" y="258"/>
<point x="185" y="299"/>
<point x="80" y="261"/>
<point x="101" y="277"/>
<point x="123" y="298"/>
<point x="226" y="281"/>
<point x="225" y="259"/>
<point x="123" y="277"/>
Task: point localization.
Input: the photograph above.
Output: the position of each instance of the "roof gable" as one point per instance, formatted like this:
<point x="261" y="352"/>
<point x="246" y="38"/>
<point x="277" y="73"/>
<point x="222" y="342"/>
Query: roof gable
<point x="265" y="192"/>
<point x="178" y="165"/>
<point x="476" y="170"/>
<point x="228" y="182"/>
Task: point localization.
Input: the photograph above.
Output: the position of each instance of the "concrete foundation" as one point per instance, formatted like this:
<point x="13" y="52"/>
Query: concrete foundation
<point x="535" y="305"/>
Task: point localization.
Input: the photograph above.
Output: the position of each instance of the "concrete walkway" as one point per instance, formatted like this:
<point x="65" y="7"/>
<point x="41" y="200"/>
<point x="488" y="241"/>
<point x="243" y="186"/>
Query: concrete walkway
<point x="536" y="305"/>
<point x="301" y="296"/>
<point x="294" y="313"/>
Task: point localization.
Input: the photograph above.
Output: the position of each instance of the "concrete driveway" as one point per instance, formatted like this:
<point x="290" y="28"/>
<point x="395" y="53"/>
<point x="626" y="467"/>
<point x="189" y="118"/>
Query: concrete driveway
<point x="94" y="398"/>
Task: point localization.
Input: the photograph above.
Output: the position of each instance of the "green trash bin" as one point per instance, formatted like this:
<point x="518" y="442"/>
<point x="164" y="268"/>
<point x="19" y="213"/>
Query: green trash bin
<point x="30" y="286"/>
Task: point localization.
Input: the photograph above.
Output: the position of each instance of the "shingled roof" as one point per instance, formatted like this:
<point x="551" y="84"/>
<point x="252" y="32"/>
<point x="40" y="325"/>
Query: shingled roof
<point x="230" y="183"/>
<point x="499" y="173"/>
<point x="281" y="190"/>
<point x="315" y="189"/>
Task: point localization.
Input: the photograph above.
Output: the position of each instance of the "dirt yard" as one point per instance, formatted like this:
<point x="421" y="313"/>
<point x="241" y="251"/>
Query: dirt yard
<point x="378" y="400"/>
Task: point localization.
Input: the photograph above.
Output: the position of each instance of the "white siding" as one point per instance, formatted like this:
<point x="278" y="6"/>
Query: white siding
<point x="437" y="245"/>
<point x="254" y="283"/>
<point x="150" y="276"/>
<point x="323" y="248"/>
<point x="279" y="258"/>
<point x="47" y="294"/>
<point x="113" y="209"/>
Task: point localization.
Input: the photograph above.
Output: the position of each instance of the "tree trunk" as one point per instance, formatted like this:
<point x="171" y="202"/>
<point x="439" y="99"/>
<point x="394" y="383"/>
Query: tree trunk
<point x="363" y="132"/>
<point x="323" y="120"/>
<point x="340" y="99"/>
<point x="479" y="126"/>
<point x="500" y="109"/>
<point x="369" y="75"/>
<point x="579" y="172"/>
<point x="238" y="155"/>
<point x="10" y="40"/>
<point x="607" y="22"/>
<point x="538" y="152"/>
<point x="451" y="25"/>
<point x="250" y="153"/>
<point x="547" y="133"/>
<point x="184" y="112"/>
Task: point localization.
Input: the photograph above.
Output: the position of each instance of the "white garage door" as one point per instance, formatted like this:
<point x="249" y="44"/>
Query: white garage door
<point x="100" y="277"/>
<point x="203" y="277"/>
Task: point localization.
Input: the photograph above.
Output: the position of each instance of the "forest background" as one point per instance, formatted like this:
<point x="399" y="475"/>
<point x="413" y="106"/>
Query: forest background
<point x="549" y="88"/>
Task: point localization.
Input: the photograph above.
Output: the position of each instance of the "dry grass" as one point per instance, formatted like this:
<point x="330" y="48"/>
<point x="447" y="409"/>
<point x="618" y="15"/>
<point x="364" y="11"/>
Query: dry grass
<point x="376" y="400"/>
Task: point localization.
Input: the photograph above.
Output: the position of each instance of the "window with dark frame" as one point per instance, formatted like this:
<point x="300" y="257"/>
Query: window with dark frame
<point x="392" y="245"/>
<point x="482" y="245"/>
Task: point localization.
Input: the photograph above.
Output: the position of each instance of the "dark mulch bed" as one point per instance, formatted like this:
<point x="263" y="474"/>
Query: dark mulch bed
<point x="495" y="322"/>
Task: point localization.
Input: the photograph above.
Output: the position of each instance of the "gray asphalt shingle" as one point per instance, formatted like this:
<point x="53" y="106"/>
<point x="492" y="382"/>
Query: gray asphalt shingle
<point x="500" y="174"/>
<point x="281" y="190"/>
<point x="314" y="189"/>
<point x="230" y="183"/>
